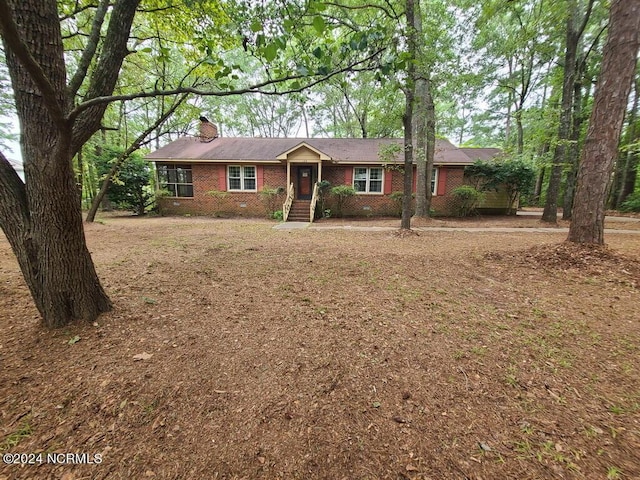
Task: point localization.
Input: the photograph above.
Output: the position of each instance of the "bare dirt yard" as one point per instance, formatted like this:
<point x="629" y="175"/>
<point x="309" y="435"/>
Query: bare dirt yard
<point x="238" y="351"/>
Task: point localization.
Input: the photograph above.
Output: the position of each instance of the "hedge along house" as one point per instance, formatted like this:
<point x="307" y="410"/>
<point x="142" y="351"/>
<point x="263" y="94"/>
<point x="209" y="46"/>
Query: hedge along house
<point x="224" y="176"/>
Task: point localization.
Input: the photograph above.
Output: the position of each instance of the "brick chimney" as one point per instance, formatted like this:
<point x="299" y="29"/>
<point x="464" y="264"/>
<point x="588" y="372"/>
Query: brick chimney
<point x="208" y="131"/>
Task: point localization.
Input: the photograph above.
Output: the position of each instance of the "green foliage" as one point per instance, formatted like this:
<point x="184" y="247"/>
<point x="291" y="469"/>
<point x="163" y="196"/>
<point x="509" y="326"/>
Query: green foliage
<point x="514" y="175"/>
<point x="631" y="204"/>
<point x="324" y="188"/>
<point x="130" y="188"/>
<point x="278" y="215"/>
<point x="342" y="194"/>
<point x="392" y="156"/>
<point x="14" y="438"/>
<point x="397" y="200"/>
<point x="467" y="199"/>
<point x="272" y="199"/>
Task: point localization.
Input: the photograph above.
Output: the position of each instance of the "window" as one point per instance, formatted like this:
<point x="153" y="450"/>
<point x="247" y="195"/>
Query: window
<point x="242" y="178"/>
<point x="177" y="179"/>
<point x="367" y="180"/>
<point x="434" y="181"/>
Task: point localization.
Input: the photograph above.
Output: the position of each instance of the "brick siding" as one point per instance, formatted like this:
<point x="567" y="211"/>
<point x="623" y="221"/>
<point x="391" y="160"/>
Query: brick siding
<point x="210" y="195"/>
<point x="211" y="198"/>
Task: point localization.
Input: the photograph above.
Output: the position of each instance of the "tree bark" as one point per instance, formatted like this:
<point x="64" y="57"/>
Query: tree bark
<point x="420" y="113"/>
<point x="610" y="101"/>
<point x="573" y="154"/>
<point x="420" y="152"/>
<point x="629" y="164"/>
<point x="550" y="213"/>
<point x="409" y="92"/>
<point x="42" y="218"/>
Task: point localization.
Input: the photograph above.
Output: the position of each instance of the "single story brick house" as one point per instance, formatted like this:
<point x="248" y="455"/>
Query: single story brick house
<point x="223" y="176"/>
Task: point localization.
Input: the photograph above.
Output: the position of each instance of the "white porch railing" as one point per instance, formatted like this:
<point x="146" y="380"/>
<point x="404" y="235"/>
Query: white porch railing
<point x="314" y="200"/>
<point x="286" y="206"/>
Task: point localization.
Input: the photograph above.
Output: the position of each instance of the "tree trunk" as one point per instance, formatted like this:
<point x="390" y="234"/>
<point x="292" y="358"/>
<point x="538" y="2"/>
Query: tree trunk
<point x="610" y="101"/>
<point x="420" y="118"/>
<point x="630" y="165"/>
<point x="550" y="213"/>
<point x="573" y="158"/>
<point x="519" y="131"/>
<point x="425" y="146"/>
<point x="431" y="144"/>
<point x="408" y="163"/>
<point x="45" y="229"/>
<point x="409" y="92"/>
<point x="420" y="152"/>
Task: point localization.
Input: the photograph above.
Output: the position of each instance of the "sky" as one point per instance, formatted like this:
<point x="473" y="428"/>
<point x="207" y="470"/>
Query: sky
<point x="12" y="149"/>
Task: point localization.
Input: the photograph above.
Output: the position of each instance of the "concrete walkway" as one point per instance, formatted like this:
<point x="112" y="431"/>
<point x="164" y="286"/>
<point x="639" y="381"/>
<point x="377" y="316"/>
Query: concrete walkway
<point x="362" y="228"/>
<point x="310" y="226"/>
<point x="608" y="218"/>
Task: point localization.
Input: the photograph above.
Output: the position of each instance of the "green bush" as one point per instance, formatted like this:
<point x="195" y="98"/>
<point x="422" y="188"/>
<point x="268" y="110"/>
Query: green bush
<point x="272" y="198"/>
<point x="397" y="201"/>
<point x="631" y="204"/>
<point x="324" y="187"/>
<point x="130" y="188"/>
<point x="342" y="194"/>
<point x="397" y="198"/>
<point x="516" y="176"/>
<point x="467" y="199"/>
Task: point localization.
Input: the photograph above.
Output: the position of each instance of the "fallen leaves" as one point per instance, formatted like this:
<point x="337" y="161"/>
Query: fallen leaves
<point x="142" y="356"/>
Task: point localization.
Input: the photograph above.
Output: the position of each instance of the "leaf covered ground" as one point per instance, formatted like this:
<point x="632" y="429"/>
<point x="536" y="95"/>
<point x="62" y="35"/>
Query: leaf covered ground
<point x="236" y="351"/>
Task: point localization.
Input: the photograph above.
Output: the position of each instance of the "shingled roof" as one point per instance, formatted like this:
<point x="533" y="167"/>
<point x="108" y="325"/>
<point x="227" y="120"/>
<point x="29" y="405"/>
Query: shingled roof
<point x="483" y="154"/>
<point x="267" y="150"/>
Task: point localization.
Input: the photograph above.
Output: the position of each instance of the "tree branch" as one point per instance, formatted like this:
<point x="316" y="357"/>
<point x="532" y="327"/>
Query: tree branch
<point x="105" y="75"/>
<point x="89" y="51"/>
<point x="389" y="13"/>
<point x="256" y="88"/>
<point x="124" y="155"/>
<point x="12" y="41"/>
<point x="585" y="20"/>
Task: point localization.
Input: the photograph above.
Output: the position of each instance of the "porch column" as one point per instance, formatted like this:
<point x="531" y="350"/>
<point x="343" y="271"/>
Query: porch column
<point x="320" y="171"/>
<point x="288" y="174"/>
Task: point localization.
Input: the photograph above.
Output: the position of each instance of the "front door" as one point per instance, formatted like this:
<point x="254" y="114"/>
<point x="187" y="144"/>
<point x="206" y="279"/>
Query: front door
<point x="305" y="183"/>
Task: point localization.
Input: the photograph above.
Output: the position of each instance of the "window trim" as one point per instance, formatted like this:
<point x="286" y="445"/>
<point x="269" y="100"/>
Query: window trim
<point x="174" y="166"/>
<point x="434" y="181"/>
<point x="367" y="190"/>
<point x="242" y="179"/>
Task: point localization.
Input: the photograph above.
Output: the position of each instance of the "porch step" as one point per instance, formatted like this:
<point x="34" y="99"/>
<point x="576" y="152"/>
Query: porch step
<point x="299" y="211"/>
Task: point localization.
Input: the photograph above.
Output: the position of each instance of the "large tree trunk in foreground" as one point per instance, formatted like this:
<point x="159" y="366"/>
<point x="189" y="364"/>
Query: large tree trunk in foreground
<point x="42" y="218"/>
<point x="607" y="117"/>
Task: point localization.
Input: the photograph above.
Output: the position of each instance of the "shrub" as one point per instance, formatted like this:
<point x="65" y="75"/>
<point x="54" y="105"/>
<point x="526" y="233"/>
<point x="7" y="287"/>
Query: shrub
<point x="130" y="188"/>
<point x="342" y="194"/>
<point x="397" y="198"/>
<point x="631" y="204"/>
<point x="324" y="188"/>
<point x="516" y="176"/>
<point x="467" y="199"/>
<point x="271" y="197"/>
